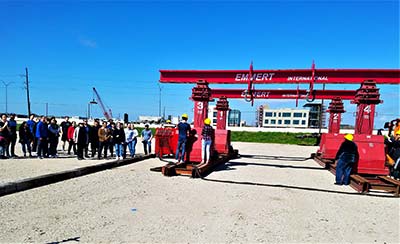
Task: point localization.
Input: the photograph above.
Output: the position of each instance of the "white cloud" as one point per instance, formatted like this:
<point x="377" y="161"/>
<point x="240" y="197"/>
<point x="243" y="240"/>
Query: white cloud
<point x="88" y="43"/>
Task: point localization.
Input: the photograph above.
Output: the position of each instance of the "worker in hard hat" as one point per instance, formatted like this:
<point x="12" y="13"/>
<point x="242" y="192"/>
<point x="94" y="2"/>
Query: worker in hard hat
<point x="207" y="134"/>
<point x="346" y="157"/>
<point x="397" y="127"/>
<point x="168" y="124"/>
<point x="184" y="130"/>
<point x="393" y="147"/>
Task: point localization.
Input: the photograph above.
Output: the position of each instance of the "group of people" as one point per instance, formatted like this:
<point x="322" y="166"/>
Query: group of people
<point x="42" y="135"/>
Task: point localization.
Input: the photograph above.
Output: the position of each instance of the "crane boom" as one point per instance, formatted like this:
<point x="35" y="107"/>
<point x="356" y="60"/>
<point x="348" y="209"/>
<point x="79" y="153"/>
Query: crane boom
<point x="103" y="108"/>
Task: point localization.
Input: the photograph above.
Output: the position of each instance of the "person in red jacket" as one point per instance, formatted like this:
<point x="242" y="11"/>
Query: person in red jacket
<point x="70" y="138"/>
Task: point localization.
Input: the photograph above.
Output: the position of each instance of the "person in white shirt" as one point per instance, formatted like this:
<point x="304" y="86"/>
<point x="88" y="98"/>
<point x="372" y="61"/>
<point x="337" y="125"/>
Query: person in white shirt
<point x="130" y="139"/>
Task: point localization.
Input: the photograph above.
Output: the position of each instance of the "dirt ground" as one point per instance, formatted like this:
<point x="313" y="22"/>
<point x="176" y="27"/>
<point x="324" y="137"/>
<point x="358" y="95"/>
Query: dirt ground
<point x="273" y="193"/>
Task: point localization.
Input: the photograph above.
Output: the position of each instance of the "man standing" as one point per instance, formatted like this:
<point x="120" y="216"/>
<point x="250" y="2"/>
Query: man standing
<point x="81" y="139"/>
<point x="103" y="140"/>
<point x="64" y="130"/>
<point x="32" y="127"/>
<point x="42" y="135"/>
<point x="94" y="137"/>
<point x="4" y="134"/>
<point x="346" y="158"/>
<point x="184" y="130"/>
<point x="12" y="125"/>
<point x="87" y="129"/>
<point x="146" y="139"/>
<point x="130" y="140"/>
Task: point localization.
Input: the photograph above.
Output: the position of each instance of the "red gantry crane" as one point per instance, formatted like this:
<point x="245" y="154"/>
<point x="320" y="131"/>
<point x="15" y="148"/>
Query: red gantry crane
<point x="371" y="147"/>
<point x="107" y="115"/>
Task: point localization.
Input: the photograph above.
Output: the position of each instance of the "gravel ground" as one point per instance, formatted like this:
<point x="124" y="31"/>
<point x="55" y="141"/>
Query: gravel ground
<point x="22" y="168"/>
<point x="264" y="198"/>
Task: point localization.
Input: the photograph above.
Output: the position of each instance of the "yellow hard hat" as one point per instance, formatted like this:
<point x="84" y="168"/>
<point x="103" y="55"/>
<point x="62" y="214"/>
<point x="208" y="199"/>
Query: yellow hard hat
<point x="349" y="137"/>
<point x="168" y="121"/>
<point x="185" y="116"/>
<point x="207" y="121"/>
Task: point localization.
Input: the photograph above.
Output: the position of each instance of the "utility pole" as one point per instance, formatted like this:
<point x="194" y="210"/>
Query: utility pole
<point x="27" y="91"/>
<point x="320" y="112"/>
<point x="159" y="101"/>
<point x="6" y="85"/>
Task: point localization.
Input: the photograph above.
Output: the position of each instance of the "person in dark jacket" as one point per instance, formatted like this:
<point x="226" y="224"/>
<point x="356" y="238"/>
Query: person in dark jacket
<point x="4" y="135"/>
<point x="54" y="134"/>
<point x="346" y="157"/>
<point x="184" y="130"/>
<point x="87" y="129"/>
<point x="12" y="125"/>
<point x="81" y="139"/>
<point x="25" y="138"/>
<point x="118" y="140"/>
<point x="64" y="131"/>
<point x="42" y="135"/>
<point x="94" y="137"/>
<point x="110" y="142"/>
<point x="32" y="126"/>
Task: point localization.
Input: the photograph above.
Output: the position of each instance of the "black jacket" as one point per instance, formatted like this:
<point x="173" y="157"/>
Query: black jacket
<point x="118" y="136"/>
<point x="348" y="148"/>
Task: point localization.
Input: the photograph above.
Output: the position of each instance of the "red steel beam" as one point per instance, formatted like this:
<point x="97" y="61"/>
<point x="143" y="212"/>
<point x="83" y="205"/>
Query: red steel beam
<point x="284" y="94"/>
<point x="289" y="76"/>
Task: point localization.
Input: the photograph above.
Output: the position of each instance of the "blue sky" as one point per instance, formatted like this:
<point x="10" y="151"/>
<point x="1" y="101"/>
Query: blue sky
<point x="69" y="47"/>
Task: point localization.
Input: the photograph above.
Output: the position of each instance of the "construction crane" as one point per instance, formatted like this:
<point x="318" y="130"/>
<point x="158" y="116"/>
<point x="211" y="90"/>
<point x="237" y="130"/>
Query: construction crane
<point x="107" y="115"/>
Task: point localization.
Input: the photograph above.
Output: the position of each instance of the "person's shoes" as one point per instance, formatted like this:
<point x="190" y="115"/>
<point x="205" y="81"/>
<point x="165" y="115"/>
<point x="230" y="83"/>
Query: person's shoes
<point x="80" y="158"/>
<point x="339" y="184"/>
<point x="40" y="157"/>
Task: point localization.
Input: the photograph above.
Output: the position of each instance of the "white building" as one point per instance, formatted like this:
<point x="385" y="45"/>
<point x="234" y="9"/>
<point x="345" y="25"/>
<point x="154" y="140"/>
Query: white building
<point x="285" y="117"/>
<point x="232" y="119"/>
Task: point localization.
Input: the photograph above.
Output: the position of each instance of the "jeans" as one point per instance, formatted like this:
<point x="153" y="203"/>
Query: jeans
<point x="71" y="145"/>
<point x="102" y="145"/>
<point x="94" y="145"/>
<point x="343" y="168"/>
<point x="132" y="147"/>
<point x="26" y="145"/>
<point x="181" y="147"/>
<point x="118" y="150"/>
<point x="42" y="147"/>
<point x="53" y="145"/>
<point x="80" y="148"/>
<point x="205" y="150"/>
<point x="146" y="144"/>
<point x="12" y="144"/>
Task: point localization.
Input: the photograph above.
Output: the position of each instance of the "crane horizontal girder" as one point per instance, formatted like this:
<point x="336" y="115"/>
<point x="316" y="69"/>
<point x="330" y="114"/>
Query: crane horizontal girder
<point x="288" y="76"/>
<point x="283" y="94"/>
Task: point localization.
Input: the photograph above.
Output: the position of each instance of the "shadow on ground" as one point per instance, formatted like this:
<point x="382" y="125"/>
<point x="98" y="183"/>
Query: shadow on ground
<point x="66" y="240"/>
